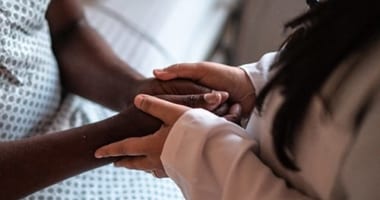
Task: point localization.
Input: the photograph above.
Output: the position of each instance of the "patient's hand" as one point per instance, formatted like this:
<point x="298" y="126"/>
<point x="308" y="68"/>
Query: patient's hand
<point x="143" y="153"/>
<point x="183" y="92"/>
<point x="144" y="124"/>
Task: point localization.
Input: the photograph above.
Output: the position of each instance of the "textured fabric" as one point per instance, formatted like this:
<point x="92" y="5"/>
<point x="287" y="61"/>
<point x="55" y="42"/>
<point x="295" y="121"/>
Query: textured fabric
<point x="225" y="162"/>
<point x="32" y="103"/>
<point x="30" y="91"/>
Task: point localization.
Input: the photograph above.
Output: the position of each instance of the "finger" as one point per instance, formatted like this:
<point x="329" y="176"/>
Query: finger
<point x="222" y="110"/>
<point x="137" y="162"/>
<point x="181" y="87"/>
<point x="209" y="101"/>
<point x="159" y="173"/>
<point x="216" y="97"/>
<point x="180" y="70"/>
<point x="128" y="147"/>
<point x="213" y="75"/>
<point x="166" y="111"/>
<point x="234" y="114"/>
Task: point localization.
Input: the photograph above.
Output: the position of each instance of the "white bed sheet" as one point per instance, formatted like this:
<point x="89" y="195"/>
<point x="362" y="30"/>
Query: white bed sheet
<point x="155" y="33"/>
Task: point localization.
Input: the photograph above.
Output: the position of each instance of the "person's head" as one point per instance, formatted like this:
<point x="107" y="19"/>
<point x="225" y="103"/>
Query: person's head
<point x="323" y="37"/>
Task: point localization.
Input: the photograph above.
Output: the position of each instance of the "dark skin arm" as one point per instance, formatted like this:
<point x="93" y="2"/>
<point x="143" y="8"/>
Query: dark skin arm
<point x="29" y="165"/>
<point x="90" y="69"/>
<point x="88" y="66"/>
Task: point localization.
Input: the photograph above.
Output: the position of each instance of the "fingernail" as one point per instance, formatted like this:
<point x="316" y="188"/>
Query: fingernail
<point x="212" y="98"/>
<point x="98" y="155"/>
<point x="138" y="100"/>
<point x="158" y="70"/>
<point x="224" y="94"/>
<point x="163" y="74"/>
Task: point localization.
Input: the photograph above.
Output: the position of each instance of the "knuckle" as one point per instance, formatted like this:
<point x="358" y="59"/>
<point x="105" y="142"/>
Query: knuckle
<point x="174" y="67"/>
<point x="191" y="100"/>
<point x="123" y="149"/>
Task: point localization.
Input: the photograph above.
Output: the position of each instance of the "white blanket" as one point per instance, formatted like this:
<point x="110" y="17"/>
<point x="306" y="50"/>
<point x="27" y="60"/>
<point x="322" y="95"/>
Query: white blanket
<point x="155" y="33"/>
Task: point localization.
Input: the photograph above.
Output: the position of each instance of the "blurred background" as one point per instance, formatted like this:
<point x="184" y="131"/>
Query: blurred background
<point x="152" y="34"/>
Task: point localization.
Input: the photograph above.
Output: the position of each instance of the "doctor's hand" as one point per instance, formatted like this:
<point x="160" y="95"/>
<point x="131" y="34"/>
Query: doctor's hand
<point x="215" y="76"/>
<point x="143" y="153"/>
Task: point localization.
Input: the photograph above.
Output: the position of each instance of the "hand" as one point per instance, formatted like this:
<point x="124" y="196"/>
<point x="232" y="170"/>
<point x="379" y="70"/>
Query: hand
<point x="216" y="76"/>
<point x="144" y="124"/>
<point x="182" y="92"/>
<point x="157" y="87"/>
<point x="143" y="153"/>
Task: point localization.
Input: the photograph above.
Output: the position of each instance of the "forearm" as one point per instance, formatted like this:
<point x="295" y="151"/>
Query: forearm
<point x="90" y="68"/>
<point x="31" y="164"/>
<point x="225" y="161"/>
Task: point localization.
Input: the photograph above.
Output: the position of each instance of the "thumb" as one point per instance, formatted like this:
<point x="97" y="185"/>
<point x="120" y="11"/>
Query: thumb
<point x="164" y="110"/>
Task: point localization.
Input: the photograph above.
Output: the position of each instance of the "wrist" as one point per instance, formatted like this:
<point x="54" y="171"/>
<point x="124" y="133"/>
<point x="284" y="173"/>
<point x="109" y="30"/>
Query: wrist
<point x="128" y="84"/>
<point x="135" y="123"/>
<point x="247" y="92"/>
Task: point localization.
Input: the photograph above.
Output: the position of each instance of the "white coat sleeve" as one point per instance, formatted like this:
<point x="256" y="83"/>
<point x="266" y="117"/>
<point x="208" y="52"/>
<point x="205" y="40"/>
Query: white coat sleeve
<point x="211" y="158"/>
<point x="258" y="72"/>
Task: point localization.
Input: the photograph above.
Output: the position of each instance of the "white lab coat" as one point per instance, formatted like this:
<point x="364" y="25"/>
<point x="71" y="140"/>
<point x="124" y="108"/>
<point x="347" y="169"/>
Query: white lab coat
<point x="210" y="158"/>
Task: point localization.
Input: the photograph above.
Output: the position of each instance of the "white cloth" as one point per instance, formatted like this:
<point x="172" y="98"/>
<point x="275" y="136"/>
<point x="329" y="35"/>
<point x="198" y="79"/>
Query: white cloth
<point x="210" y="158"/>
<point x="163" y="32"/>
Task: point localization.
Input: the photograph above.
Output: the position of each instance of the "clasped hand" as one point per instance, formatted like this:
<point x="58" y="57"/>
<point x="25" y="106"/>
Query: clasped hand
<point x="143" y="153"/>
